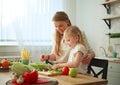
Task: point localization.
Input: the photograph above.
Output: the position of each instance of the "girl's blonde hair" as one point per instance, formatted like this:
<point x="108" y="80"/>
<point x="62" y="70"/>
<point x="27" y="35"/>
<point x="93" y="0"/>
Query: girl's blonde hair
<point x="75" y="32"/>
<point x="59" y="16"/>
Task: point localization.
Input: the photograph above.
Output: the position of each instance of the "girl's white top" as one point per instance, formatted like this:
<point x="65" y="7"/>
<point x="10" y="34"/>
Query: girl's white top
<point x="79" y="47"/>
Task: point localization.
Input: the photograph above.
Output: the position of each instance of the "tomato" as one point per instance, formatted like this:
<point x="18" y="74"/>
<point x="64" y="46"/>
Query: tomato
<point x="31" y="77"/>
<point x="5" y="63"/>
<point x="65" y="70"/>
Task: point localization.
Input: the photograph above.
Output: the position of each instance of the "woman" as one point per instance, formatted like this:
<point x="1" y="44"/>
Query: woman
<point x="60" y="51"/>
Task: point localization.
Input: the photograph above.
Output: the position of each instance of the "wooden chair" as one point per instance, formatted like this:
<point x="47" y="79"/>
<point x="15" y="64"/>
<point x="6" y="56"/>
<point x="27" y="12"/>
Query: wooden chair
<point x="98" y="63"/>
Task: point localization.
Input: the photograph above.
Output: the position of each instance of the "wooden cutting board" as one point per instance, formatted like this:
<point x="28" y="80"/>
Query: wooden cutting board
<point x="47" y="73"/>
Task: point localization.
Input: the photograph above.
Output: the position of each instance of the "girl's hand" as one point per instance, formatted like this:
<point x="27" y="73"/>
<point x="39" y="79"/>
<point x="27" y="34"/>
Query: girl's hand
<point x="55" y="66"/>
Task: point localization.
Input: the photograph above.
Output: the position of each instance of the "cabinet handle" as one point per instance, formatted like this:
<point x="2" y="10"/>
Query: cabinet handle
<point x="111" y="67"/>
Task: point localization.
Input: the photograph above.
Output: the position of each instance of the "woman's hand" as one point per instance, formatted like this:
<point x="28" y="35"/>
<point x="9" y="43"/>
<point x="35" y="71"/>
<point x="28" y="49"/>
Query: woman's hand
<point x="52" y="57"/>
<point x="88" y="57"/>
<point x="43" y="57"/>
<point x="47" y="57"/>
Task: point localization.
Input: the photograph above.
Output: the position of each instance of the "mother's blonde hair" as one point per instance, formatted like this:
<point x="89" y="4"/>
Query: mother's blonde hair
<point x="59" y="16"/>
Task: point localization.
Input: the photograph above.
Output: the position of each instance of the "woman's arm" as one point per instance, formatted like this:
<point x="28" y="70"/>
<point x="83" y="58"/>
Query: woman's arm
<point x="88" y="57"/>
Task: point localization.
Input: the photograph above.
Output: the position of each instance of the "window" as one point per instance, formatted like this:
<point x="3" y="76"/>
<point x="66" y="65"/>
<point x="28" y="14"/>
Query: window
<point x="27" y="22"/>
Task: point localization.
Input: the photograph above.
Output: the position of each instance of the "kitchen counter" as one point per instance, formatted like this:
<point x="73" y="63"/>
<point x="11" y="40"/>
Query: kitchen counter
<point x="114" y="60"/>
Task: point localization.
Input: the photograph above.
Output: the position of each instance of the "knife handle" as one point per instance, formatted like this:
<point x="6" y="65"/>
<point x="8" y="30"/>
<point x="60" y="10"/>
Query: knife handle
<point x="48" y="62"/>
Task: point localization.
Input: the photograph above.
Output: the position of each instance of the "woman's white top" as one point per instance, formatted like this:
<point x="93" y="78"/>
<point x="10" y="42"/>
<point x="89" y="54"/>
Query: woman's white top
<point x="65" y="52"/>
<point x="79" y="47"/>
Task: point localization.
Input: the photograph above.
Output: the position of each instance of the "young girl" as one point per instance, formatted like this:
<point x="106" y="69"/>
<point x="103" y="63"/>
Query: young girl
<point x="73" y="37"/>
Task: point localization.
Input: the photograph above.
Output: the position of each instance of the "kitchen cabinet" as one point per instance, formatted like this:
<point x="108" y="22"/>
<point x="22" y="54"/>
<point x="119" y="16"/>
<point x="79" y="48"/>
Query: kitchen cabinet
<point x="113" y="73"/>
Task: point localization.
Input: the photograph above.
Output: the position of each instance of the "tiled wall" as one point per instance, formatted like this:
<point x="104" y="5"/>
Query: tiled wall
<point x="11" y="58"/>
<point x="11" y="52"/>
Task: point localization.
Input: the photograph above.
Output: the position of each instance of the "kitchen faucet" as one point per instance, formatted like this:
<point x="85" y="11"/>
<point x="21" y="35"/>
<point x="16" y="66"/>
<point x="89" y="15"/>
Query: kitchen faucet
<point x="105" y="54"/>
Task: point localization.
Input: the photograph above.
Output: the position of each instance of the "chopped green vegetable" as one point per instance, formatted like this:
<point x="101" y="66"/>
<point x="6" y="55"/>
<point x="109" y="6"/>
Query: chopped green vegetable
<point x="40" y="66"/>
<point x="58" y="71"/>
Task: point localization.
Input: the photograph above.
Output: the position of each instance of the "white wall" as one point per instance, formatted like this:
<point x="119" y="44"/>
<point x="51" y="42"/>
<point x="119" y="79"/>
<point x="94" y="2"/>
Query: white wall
<point x="69" y="7"/>
<point x="89" y="18"/>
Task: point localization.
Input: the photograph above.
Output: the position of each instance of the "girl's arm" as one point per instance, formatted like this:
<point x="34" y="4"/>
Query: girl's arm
<point x="75" y="63"/>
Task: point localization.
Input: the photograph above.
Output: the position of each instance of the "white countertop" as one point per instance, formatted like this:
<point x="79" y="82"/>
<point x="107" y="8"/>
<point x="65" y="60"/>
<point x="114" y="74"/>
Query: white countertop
<point x="115" y="60"/>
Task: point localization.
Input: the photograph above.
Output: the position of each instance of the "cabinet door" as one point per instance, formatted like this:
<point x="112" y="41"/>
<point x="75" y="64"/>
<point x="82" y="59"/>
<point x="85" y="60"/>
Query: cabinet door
<point x="113" y="81"/>
<point x="113" y="73"/>
<point x="114" y="67"/>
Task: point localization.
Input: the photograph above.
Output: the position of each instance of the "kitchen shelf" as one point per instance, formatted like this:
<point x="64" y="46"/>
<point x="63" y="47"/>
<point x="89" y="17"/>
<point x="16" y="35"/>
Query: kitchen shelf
<point x="112" y="17"/>
<point x="107" y="5"/>
<point x="107" y="20"/>
<point x="109" y="2"/>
